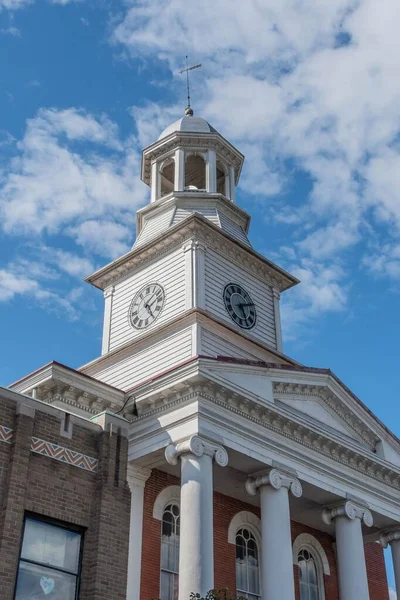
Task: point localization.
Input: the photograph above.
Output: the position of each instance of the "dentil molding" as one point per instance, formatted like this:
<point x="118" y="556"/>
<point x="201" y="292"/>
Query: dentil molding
<point x="348" y="509"/>
<point x="275" y="479"/>
<point x="198" y="447"/>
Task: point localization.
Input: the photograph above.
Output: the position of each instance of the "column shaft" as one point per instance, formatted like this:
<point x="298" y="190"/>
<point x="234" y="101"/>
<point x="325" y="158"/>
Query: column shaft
<point x="395" y="546"/>
<point x="137" y="478"/>
<point x="196" y="556"/>
<point x="277" y="559"/>
<point x="353" y="581"/>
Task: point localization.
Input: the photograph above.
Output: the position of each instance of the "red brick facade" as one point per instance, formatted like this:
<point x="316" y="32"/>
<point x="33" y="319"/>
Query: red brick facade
<point x="225" y="508"/>
<point x="97" y="502"/>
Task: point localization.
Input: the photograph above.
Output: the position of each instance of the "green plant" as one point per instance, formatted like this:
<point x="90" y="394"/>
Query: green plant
<point x="223" y="594"/>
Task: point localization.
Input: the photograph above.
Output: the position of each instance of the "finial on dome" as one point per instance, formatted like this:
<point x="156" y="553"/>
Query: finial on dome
<point x="188" y="110"/>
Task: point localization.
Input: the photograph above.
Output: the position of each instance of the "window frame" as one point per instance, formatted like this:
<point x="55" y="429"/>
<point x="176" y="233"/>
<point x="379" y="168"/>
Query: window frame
<point x="256" y="536"/>
<point x="306" y="541"/>
<point x="61" y="525"/>
<point x="171" y="502"/>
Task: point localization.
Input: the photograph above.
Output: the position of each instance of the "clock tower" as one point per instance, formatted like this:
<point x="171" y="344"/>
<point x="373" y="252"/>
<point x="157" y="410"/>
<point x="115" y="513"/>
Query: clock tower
<point x="192" y="285"/>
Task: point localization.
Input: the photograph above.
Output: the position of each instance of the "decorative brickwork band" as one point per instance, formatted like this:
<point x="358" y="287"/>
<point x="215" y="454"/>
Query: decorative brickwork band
<point x="385" y="538"/>
<point x="64" y="455"/>
<point x="276" y="479"/>
<point x="350" y="510"/>
<point x="6" y="434"/>
<point x="197" y="446"/>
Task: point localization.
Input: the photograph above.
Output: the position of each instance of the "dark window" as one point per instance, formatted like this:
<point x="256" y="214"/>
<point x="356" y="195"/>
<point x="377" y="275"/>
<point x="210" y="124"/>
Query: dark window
<point x="49" y="565"/>
<point x="247" y="566"/>
<point x="308" y="577"/>
<point x="195" y="173"/>
<point x="170" y="553"/>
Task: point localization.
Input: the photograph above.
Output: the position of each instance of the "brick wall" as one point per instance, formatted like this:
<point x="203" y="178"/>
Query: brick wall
<point x="225" y="508"/>
<point x="98" y="502"/>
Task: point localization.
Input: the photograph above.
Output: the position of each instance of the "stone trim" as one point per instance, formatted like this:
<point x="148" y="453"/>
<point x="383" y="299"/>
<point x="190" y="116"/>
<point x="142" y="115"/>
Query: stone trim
<point x="309" y="542"/>
<point x="276" y="479"/>
<point x="169" y="495"/>
<point x="246" y="519"/>
<point x="65" y="455"/>
<point x="348" y="509"/>
<point x="386" y="538"/>
<point x="6" y="434"/>
<point x="197" y="446"/>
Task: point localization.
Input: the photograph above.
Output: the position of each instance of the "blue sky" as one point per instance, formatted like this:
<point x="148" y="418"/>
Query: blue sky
<point x="309" y="92"/>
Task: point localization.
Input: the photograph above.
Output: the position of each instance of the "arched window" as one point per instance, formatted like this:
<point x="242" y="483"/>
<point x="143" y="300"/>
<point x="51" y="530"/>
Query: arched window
<point x="170" y="552"/>
<point x="222" y="175"/>
<point x="167" y="176"/>
<point x="195" y="173"/>
<point x="308" y="576"/>
<point x="247" y="565"/>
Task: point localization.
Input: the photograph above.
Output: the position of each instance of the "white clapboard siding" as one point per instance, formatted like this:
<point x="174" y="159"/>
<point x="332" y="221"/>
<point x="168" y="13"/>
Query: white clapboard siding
<point x="169" y="271"/>
<point x="233" y="229"/>
<point x="147" y="363"/>
<point x="218" y="273"/>
<point x="214" y="345"/>
<point x="153" y="227"/>
<point x="182" y="212"/>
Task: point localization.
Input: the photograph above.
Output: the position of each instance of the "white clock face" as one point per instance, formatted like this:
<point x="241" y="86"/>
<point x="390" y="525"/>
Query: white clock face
<point x="146" y="305"/>
<point x="240" y="306"/>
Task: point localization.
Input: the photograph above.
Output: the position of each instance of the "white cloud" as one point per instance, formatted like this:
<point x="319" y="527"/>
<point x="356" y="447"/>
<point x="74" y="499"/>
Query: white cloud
<point x="385" y="261"/>
<point x="105" y="238"/>
<point x="71" y="167"/>
<point x="392" y="594"/>
<point x="16" y="4"/>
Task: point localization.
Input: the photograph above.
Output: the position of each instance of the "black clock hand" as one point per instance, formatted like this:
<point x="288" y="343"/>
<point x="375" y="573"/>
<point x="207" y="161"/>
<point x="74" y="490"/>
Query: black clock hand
<point x="248" y="304"/>
<point x="148" y="308"/>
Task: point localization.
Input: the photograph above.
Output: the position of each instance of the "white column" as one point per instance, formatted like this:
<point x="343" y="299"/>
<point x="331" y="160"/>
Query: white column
<point x="196" y="554"/>
<point x="232" y="187"/>
<point x="353" y="581"/>
<point x="212" y="172"/>
<point x="136" y="477"/>
<point x="277" y="312"/>
<point x="277" y="581"/>
<point x="154" y="192"/>
<point x="179" y="170"/>
<point x="194" y="273"/>
<point x="108" y="298"/>
<point x="393" y="538"/>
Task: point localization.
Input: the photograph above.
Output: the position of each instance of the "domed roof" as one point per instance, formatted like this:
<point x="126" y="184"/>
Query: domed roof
<point x="189" y="124"/>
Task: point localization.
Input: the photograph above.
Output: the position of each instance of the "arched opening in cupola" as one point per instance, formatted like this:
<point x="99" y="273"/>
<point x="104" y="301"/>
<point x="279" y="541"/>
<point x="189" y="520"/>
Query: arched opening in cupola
<point x="222" y="178"/>
<point x="167" y="176"/>
<point x="195" y="172"/>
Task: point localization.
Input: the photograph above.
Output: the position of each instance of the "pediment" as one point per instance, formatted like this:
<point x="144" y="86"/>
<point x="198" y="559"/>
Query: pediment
<point x="314" y="404"/>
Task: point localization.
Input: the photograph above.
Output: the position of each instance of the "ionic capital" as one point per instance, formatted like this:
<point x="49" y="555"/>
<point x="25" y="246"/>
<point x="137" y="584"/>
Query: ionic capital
<point x="276" y="479"/>
<point x="350" y="510"/>
<point x="137" y="476"/>
<point x="387" y="537"/>
<point x="197" y="446"/>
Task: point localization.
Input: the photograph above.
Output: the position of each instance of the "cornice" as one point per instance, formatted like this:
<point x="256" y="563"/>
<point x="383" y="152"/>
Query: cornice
<point x="273" y="419"/>
<point x="204" y="231"/>
<point x="332" y="401"/>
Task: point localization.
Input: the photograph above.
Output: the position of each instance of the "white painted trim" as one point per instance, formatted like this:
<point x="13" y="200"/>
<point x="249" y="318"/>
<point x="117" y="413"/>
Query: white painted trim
<point x="179" y="170"/>
<point x="248" y="520"/>
<point x="211" y="171"/>
<point x="108" y="300"/>
<point x="169" y="495"/>
<point x="310" y="543"/>
<point x="232" y="184"/>
<point x="154" y="182"/>
<point x="278" y="325"/>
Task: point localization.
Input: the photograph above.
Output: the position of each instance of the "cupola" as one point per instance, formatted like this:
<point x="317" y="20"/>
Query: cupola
<point x="191" y="168"/>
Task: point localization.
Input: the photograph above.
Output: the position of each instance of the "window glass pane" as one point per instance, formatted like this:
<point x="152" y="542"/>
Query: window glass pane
<point x="166" y="585"/>
<point x="304" y="592"/>
<point x="35" y="581"/>
<point x="51" y="545"/>
<point x="312" y="572"/>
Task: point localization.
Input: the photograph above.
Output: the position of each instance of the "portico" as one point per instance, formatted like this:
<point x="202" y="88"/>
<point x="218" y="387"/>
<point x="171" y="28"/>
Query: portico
<point x="237" y="449"/>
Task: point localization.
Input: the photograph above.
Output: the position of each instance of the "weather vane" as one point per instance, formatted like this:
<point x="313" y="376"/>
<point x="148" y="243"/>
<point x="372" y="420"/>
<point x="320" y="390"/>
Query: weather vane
<point x="188" y="110"/>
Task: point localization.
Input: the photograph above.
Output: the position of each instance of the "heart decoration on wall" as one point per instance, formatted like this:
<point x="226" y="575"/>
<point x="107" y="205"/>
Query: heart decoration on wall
<point x="47" y="584"/>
